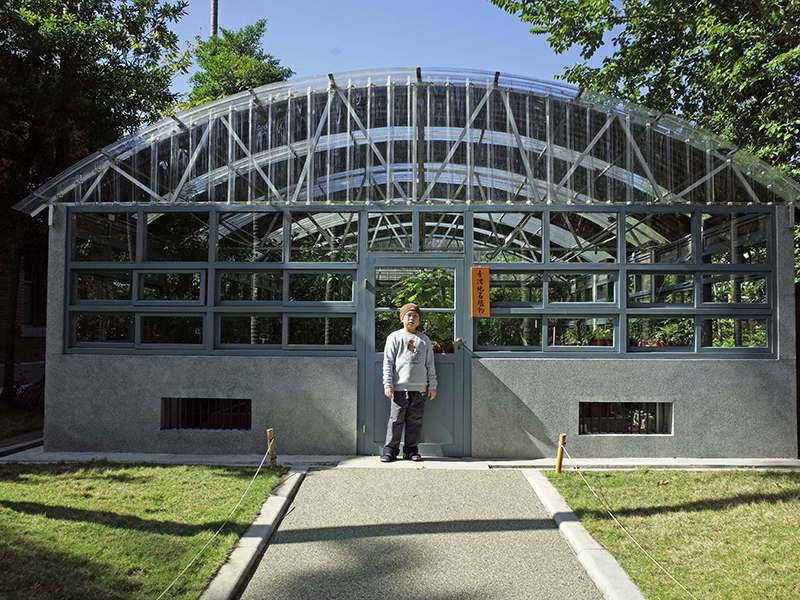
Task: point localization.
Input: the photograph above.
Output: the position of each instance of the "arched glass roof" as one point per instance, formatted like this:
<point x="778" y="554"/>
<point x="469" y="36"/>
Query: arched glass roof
<point x="410" y="136"/>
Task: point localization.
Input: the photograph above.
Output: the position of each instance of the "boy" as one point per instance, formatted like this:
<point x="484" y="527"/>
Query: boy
<point x="408" y="376"/>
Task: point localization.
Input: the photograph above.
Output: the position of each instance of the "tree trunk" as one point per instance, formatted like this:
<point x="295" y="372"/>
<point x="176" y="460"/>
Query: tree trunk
<point x="9" y="354"/>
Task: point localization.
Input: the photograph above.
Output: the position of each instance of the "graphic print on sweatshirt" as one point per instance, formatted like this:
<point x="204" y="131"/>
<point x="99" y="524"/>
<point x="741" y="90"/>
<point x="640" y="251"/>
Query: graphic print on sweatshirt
<point x="412" y="352"/>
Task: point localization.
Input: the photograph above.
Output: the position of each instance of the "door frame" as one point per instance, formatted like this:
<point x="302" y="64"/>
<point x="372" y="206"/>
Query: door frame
<point x="460" y="357"/>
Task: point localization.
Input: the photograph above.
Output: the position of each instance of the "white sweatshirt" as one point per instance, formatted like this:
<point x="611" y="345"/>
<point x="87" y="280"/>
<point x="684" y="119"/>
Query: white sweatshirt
<point x="408" y="362"/>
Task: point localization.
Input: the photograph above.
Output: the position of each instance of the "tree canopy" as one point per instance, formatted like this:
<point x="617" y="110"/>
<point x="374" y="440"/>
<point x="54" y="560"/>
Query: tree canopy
<point x="731" y="66"/>
<point x="75" y="76"/>
<point x="233" y="63"/>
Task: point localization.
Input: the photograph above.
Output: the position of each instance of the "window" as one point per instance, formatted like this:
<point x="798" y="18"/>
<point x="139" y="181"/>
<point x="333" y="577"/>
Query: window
<point x="177" y="237"/>
<point x="625" y="418"/>
<point x="250" y="330"/>
<point x="441" y="232"/>
<point x="660" y="332"/>
<point x="580" y="287"/>
<point x="508" y="237"/>
<point x="580" y="331"/>
<point x="734" y="333"/>
<point x="583" y="237"/>
<point x="206" y="413"/>
<point x="324" y="237"/>
<point x="250" y="286"/>
<point x="104" y="237"/>
<point x="509" y="333"/>
<point x="660" y="288"/>
<point x="658" y="237"/>
<point x="250" y="237"/>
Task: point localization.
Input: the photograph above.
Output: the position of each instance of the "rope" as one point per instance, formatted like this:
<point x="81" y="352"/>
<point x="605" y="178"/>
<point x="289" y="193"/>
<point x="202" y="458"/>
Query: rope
<point x="213" y="537"/>
<point x="622" y="527"/>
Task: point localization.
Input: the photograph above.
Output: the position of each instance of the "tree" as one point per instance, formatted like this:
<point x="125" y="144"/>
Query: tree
<point x="731" y="66"/>
<point x="76" y="75"/>
<point x="233" y="63"/>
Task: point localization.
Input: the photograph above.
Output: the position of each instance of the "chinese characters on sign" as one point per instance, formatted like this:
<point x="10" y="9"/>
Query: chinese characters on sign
<point x="480" y="291"/>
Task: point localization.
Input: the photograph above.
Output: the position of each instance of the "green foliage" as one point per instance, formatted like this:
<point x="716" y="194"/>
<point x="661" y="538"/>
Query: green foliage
<point x="233" y="63"/>
<point x="77" y="76"/>
<point x="732" y="67"/>
<point x="430" y="289"/>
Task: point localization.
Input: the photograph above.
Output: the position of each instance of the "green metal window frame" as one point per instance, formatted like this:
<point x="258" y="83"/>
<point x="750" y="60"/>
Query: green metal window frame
<point x="619" y="311"/>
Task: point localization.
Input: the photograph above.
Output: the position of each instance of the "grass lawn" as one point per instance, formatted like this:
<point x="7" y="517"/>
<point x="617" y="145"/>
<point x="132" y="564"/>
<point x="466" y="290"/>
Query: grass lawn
<point x="13" y="421"/>
<point x="110" y="531"/>
<point x="724" y="535"/>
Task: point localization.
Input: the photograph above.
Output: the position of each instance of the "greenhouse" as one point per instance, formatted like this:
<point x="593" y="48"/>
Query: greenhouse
<point x="585" y="266"/>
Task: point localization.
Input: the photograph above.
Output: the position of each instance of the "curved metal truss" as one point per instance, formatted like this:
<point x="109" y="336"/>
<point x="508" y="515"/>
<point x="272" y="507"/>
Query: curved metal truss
<point x="410" y="137"/>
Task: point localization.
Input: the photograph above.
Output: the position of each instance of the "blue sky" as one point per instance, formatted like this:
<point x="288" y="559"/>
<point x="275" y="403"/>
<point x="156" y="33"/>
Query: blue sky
<point x="315" y="37"/>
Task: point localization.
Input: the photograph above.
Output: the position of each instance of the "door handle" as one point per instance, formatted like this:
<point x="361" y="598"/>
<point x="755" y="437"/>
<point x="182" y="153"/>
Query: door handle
<point x="459" y="342"/>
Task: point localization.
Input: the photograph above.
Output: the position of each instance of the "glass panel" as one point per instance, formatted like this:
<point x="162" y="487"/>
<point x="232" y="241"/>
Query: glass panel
<point x="103" y="285"/>
<point x="660" y="288"/>
<point x="735" y="238"/>
<point x="508" y="237"/>
<point x="512" y="332"/>
<point x="730" y="333"/>
<point x="106" y="237"/>
<point x="625" y="417"/>
<point x="580" y="287"/>
<point x="583" y="237"/>
<point x="254" y="286"/>
<point x="728" y="288"/>
<point x="321" y="330"/>
<point x="320" y="287"/>
<point x="390" y="232"/>
<point x="658" y="238"/>
<point x="580" y="332"/>
<point x="429" y="288"/>
<point x="172" y="330"/>
<point x="261" y="330"/>
<point x="658" y="332"/>
<point x="104" y="328"/>
<point x="251" y="237"/>
<point x="324" y="237"/>
<point x="441" y="232"/>
<point x="515" y="287"/>
<point x="177" y="236"/>
<point x="172" y="287"/>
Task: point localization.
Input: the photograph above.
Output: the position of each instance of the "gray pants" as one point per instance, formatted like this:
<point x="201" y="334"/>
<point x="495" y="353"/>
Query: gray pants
<point x="406" y="411"/>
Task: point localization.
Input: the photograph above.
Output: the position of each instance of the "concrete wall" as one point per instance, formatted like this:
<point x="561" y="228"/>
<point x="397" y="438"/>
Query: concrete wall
<point x="721" y="408"/>
<point x="727" y="407"/>
<point x="744" y="408"/>
<point x="113" y="403"/>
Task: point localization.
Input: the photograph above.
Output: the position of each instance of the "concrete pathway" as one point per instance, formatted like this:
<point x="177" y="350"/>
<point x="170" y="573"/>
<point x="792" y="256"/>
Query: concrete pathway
<point x="403" y="533"/>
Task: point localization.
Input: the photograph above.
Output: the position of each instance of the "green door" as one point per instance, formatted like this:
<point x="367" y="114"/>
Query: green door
<point x="436" y="285"/>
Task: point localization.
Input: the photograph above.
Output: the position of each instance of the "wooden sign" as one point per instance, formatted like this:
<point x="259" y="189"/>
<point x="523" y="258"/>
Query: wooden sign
<point x="480" y="291"/>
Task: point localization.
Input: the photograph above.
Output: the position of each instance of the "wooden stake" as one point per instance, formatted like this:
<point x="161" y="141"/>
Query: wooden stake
<point x="273" y="456"/>
<point x="562" y="440"/>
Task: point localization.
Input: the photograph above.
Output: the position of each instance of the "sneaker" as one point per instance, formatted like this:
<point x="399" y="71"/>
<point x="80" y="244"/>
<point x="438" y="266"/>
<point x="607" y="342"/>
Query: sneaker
<point x="387" y="458"/>
<point x="415" y="457"/>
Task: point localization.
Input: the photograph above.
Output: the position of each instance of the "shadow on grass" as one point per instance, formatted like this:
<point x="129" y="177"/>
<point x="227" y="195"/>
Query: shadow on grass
<point x="708" y="504"/>
<point x="109" y="519"/>
<point x="36" y="570"/>
<point x="110" y="471"/>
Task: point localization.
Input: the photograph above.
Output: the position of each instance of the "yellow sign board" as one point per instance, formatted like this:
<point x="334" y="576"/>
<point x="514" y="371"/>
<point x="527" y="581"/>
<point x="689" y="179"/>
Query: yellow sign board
<point x="480" y="291"/>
